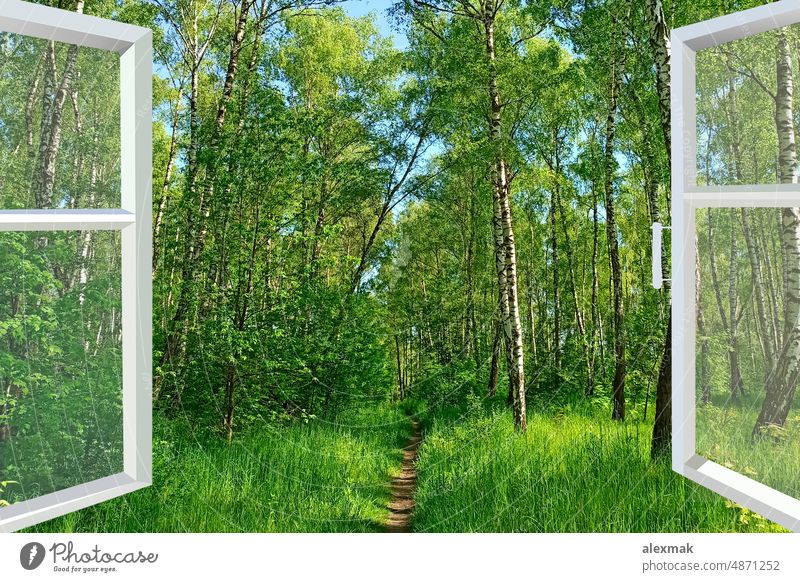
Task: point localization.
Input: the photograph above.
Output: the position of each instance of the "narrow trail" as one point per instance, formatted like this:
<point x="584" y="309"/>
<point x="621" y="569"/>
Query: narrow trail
<point x="401" y="507"/>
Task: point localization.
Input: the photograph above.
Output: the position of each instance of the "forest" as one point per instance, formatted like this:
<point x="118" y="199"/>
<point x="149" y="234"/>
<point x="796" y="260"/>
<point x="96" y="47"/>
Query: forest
<point x="401" y="268"/>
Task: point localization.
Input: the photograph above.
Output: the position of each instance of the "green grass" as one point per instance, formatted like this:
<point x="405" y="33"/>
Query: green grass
<point x="573" y="471"/>
<point x="315" y="477"/>
<point x="724" y="435"/>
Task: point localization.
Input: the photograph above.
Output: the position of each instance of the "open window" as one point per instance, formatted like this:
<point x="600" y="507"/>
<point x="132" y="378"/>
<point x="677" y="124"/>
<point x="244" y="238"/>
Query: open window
<point x="75" y="256"/>
<point x="736" y="258"/>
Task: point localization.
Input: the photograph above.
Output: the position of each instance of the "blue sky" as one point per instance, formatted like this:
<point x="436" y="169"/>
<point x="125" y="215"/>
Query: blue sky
<point x="378" y="7"/>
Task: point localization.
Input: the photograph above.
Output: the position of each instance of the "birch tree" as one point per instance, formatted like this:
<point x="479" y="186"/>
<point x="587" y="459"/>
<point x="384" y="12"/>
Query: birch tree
<point x="658" y="36"/>
<point x="782" y="381"/>
<point x="485" y="14"/>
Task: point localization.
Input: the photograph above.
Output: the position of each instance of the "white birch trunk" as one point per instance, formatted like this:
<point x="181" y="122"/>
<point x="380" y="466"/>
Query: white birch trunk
<point x="505" y="245"/>
<point x="782" y="382"/>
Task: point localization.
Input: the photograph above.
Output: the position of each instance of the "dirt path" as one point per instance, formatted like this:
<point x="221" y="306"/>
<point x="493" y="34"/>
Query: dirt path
<point x="401" y="507"/>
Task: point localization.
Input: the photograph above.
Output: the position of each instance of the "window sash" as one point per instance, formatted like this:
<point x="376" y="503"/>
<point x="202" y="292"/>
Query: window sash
<point x="687" y="199"/>
<point x="133" y="219"/>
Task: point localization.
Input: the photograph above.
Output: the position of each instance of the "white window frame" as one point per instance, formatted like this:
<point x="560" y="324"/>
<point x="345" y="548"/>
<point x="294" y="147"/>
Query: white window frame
<point x="687" y="198"/>
<point x="132" y="219"/>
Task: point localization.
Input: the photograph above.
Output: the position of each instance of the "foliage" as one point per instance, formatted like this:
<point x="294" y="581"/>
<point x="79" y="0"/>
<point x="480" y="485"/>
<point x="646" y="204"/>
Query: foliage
<point x="3" y="486"/>
<point x="61" y="406"/>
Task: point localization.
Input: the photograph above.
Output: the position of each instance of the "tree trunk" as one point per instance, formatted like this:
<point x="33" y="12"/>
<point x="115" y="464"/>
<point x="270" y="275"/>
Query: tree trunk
<point x="618" y="385"/>
<point x="737" y="387"/>
<point x="705" y="385"/>
<point x="505" y="246"/>
<point x="763" y="243"/>
<point x="52" y="111"/>
<point x="494" y="367"/>
<point x="736" y="384"/>
<point x="162" y="205"/>
<point x="529" y="295"/>
<point x="400" y="387"/>
<point x="734" y="375"/>
<point x="230" y="400"/>
<point x="782" y="383"/>
<point x="552" y="219"/>
<point x="242" y="305"/>
<point x="579" y="317"/>
<point x="29" y="106"/>
<point x="658" y="34"/>
<point x="754" y="255"/>
<point x="470" y="342"/>
<point x="595" y="288"/>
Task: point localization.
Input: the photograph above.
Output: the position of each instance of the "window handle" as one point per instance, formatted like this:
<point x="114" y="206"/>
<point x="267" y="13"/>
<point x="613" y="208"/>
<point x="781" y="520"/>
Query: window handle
<point x="658" y="277"/>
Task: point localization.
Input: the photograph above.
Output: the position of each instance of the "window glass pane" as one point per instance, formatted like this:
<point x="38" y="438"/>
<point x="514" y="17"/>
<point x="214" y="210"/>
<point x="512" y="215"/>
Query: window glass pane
<point x="60" y="360"/>
<point x="740" y="87"/>
<point x="59" y="125"/>
<point x="748" y="342"/>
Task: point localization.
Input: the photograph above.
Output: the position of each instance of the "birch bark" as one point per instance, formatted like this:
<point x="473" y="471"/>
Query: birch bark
<point x="505" y="245"/>
<point x="782" y="382"/>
